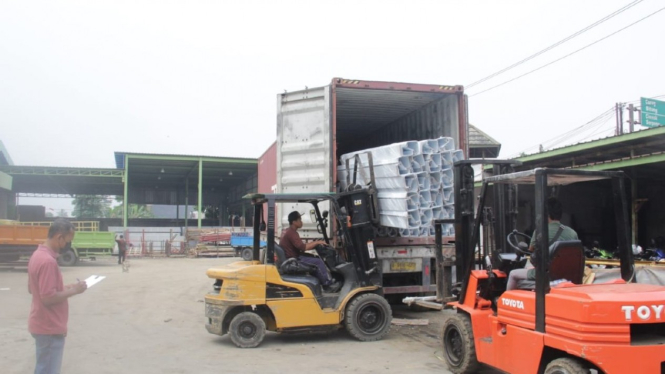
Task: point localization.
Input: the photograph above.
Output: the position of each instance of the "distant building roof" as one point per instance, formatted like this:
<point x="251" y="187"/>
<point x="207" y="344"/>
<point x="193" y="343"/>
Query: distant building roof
<point x="482" y="145"/>
<point x="641" y="151"/>
<point x="5" y="159"/>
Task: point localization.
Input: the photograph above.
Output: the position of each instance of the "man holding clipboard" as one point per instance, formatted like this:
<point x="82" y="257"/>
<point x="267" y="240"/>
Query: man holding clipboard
<point x="49" y="312"/>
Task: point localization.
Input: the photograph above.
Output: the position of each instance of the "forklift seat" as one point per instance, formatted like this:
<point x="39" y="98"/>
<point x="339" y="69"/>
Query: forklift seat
<point x="566" y="262"/>
<point x="303" y="277"/>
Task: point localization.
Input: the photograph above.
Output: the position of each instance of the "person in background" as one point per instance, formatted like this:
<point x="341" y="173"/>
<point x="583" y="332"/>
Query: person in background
<point x="122" y="249"/>
<point x="49" y="312"/>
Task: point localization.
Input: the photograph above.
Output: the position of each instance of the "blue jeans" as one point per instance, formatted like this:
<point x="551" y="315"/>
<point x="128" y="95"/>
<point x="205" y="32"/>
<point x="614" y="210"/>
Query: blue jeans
<point x="49" y="353"/>
<point x="321" y="269"/>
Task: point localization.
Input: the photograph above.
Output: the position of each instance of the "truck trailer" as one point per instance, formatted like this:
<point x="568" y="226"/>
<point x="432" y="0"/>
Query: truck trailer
<point x="316" y="126"/>
<point x="20" y="239"/>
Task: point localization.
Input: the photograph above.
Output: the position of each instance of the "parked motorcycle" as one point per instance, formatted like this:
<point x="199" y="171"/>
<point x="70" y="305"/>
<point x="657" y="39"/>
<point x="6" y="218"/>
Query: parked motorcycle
<point x="655" y="252"/>
<point x="595" y="252"/>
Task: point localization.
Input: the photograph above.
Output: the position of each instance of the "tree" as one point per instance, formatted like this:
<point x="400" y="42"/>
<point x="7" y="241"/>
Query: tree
<point x="134" y="211"/>
<point x="90" y="206"/>
<point x="211" y="212"/>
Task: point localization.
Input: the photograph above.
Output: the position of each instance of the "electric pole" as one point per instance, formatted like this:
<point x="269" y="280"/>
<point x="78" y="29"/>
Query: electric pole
<point x="631" y="119"/>
<point x="618" y="112"/>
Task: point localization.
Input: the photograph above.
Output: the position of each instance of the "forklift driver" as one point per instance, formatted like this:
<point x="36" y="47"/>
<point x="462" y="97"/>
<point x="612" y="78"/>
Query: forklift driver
<point x="556" y="231"/>
<point x="294" y="247"/>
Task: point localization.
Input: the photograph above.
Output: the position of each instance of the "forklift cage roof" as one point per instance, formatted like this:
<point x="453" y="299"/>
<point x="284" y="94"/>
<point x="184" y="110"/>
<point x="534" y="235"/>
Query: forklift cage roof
<point x="258" y="198"/>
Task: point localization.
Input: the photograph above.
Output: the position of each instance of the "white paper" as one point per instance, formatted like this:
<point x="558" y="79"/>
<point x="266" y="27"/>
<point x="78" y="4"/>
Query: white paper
<point x="94" y="279"/>
<point x="370" y="249"/>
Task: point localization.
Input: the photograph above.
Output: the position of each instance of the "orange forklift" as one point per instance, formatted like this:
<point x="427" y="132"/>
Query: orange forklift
<point x="556" y="324"/>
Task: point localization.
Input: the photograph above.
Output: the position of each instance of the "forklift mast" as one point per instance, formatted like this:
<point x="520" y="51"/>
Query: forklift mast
<point x="468" y="220"/>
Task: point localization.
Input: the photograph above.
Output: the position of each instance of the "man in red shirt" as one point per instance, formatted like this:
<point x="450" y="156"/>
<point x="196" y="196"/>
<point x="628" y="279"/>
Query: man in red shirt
<point x="49" y="311"/>
<point x="293" y="247"/>
<point x="122" y="249"/>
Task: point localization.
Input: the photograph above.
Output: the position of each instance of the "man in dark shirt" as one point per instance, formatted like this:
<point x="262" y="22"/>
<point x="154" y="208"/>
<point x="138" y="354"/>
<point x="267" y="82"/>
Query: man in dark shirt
<point x="122" y="249"/>
<point x="554" y="213"/>
<point x="293" y="246"/>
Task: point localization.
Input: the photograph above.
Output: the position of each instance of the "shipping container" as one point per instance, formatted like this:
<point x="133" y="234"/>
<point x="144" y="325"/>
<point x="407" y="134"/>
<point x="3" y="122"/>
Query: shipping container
<point x="316" y="126"/>
<point x="267" y="173"/>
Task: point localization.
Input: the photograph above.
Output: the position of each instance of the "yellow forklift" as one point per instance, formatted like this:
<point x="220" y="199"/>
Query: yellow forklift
<point x="269" y="293"/>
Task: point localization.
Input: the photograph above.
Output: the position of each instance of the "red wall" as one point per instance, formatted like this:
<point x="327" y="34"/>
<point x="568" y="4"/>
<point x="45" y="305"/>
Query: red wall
<point x="267" y="172"/>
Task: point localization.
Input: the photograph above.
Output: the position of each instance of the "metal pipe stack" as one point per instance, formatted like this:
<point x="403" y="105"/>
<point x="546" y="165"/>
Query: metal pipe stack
<point x="414" y="183"/>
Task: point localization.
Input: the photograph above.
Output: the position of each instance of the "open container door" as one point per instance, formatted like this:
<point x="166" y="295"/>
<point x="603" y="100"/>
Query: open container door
<point x="303" y="153"/>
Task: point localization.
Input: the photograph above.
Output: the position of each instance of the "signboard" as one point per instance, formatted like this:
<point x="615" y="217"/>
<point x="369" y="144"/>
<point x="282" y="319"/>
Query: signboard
<point x="653" y="113"/>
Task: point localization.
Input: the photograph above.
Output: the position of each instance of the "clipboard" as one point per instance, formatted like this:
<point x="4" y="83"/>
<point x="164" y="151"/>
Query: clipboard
<point x="94" y="279"/>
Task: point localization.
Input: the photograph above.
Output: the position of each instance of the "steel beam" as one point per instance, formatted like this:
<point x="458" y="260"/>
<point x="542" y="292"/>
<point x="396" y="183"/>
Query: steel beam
<point x="626" y="163"/>
<point x="542" y="240"/>
<point x="195" y="158"/>
<point x="125" y="205"/>
<point x="72" y="172"/>
<point x="198" y="215"/>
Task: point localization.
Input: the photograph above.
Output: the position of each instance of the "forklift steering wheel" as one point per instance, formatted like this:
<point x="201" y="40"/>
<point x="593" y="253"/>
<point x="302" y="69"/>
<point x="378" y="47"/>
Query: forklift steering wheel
<point x="515" y="243"/>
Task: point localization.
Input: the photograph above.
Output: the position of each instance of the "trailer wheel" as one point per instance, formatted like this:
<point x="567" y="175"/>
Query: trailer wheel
<point x="566" y="365"/>
<point x="68" y="258"/>
<point x="368" y="317"/>
<point x="247" y="254"/>
<point x="247" y="330"/>
<point x="458" y="345"/>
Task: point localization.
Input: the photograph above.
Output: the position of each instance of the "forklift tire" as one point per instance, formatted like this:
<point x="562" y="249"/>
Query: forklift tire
<point x="566" y="365"/>
<point x="247" y="254"/>
<point x="458" y="345"/>
<point x="68" y="258"/>
<point x="368" y="317"/>
<point x="247" y="330"/>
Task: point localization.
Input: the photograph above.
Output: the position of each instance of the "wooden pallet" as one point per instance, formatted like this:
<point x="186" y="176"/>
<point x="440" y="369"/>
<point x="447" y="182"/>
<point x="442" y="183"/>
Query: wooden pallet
<point x="213" y="251"/>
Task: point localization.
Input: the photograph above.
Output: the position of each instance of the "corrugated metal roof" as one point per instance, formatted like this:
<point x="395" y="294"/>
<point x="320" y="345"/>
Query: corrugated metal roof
<point x="478" y="138"/>
<point x="590" y="143"/>
<point x="641" y="151"/>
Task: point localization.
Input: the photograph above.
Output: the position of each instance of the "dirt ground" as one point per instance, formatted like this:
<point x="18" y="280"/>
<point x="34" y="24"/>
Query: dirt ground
<point x="151" y="320"/>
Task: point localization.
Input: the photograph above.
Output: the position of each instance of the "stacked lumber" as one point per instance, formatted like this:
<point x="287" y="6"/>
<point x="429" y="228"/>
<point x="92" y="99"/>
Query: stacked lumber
<point x="203" y="250"/>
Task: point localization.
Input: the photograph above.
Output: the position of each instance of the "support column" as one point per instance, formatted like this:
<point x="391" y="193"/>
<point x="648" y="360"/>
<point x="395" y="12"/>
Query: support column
<point x="633" y="208"/>
<point x="200" y="190"/>
<point x="186" y="201"/>
<point x="125" y="212"/>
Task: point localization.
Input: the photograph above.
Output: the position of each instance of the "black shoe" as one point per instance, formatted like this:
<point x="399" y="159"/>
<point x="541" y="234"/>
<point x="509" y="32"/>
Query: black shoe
<point x="333" y="287"/>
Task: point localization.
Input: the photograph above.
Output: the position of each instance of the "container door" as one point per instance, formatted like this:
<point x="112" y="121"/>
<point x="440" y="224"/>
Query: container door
<point x="304" y="148"/>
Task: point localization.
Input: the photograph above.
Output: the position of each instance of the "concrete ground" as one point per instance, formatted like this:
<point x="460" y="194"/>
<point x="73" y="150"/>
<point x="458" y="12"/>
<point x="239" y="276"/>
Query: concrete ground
<point x="151" y="320"/>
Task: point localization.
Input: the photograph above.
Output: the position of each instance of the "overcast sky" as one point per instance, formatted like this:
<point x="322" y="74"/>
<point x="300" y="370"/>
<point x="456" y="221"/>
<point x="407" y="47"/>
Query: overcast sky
<point x="82" y="79"/>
